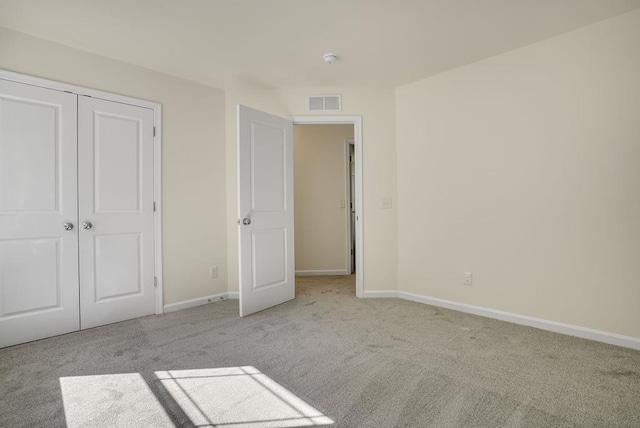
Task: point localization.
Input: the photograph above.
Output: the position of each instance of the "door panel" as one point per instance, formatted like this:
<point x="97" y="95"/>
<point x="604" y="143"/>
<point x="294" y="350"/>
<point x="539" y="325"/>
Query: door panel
<point x="265" y="194"/>
<point x="38" y="194"/>
<point x="118" y="265"/>
<point x="116" y="197"/>
<point x="268" y="145"/>
<point x="30" y="279"/>
<point x="117" y="142"/>
<point x="29" y="156"/>
<point x="269" y="267"/>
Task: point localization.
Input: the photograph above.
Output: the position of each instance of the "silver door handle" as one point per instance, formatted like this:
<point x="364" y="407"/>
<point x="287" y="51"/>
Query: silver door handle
<point x="246" y="221"/>
<point x="68" y="226"/>
<point x="87" y="225"/>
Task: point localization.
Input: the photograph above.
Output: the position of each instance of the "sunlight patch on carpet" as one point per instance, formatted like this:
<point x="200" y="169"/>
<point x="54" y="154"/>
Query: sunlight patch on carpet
<point x="238" y="397"/>
<point x="122" y="400"/>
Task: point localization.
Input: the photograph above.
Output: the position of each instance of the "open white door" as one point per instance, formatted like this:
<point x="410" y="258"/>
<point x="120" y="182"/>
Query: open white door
<point x="265" y="210"/>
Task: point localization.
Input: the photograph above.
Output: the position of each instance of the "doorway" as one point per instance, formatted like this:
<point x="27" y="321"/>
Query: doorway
<point x="351" y="191"/>
<point x="265" y="206"/>
<point x="343" y="203"/>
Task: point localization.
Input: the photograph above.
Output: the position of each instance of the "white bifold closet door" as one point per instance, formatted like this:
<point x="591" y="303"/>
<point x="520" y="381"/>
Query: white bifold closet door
<point x="38" y="196"/>
<point x="76" y="212"/>
<point x="115" y="188"/>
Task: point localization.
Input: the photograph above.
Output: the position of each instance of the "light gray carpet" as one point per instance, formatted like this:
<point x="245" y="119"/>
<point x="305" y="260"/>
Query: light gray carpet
<point x="362" y="363"/>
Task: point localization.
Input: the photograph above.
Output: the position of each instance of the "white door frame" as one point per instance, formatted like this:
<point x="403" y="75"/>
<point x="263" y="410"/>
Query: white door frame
<point x="356" y="121"/>
<point x="157" y="154"/>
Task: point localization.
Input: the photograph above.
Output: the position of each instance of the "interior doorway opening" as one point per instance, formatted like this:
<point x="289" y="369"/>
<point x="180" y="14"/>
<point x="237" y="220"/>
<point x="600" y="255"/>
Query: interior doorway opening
<point x="351" y="191"/>
<point x="328" y="203"/>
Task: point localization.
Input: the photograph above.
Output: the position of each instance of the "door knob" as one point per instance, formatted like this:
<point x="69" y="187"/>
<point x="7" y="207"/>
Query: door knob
<point x="68" y="226"/>
<point x="87" y="225"/>
<point x="246" y="221"/>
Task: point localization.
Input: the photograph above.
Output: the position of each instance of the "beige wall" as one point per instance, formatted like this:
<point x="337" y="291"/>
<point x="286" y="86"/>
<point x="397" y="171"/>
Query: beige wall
<point x="525" y="170"/>
<point x="193" y="153"/>
<point x="320" y="184"/>
<point x="377" y="108"/>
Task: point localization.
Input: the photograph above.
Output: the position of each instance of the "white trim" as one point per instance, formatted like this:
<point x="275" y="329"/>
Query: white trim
<point x="557" y="327"/>
<point x="192" y="303"/>
<point x="384" y="294"/>
<point x="157" y="198"/>
<point x="79" y="90"/>
<point x="322" y="272"/>
<point x="233" y="295"/>
<point x="157" y="153"/>
<point x="356" y="121"/>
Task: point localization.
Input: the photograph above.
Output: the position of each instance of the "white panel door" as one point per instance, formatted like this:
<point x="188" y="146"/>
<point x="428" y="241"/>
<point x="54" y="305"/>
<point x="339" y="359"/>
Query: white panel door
<point x="265" y="204"/>
<point x="115" y="188"/>
<point x="38" y="257"/>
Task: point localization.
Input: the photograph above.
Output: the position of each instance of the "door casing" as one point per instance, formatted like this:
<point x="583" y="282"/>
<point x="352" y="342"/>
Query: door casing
<point x="356" y="121"/>
<point x="157" y="155"/>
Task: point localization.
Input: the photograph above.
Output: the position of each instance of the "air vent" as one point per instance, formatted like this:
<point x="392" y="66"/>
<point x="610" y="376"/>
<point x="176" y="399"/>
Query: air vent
<point x="324" y="102"/>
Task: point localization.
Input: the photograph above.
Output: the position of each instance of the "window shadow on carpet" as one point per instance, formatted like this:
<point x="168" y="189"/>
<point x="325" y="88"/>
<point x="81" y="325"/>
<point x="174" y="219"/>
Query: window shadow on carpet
<point x="238" y="397"/>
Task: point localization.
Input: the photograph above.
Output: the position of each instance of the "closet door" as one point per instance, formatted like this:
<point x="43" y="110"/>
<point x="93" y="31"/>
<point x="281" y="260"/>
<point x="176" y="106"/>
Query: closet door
<point x="38" y="211"/>
<point x="115" y="188"/>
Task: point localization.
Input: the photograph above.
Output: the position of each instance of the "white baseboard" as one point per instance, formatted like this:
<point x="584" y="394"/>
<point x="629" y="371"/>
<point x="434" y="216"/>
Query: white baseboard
<point x="185" y="304"/>
<point x="557" y="327"/>
<point x="322" y="272"/>
<point x="380" y="294"/>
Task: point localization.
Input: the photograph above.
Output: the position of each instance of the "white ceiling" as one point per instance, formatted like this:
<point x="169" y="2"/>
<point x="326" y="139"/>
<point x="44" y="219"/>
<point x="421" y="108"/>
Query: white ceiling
<point x="280" y="43"/>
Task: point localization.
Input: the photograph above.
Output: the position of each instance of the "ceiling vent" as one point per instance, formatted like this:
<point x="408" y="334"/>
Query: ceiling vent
<point x="324" y="102"/>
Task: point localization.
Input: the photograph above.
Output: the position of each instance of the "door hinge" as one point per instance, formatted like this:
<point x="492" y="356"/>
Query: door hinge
<point x="154" y="206"/>
<point x="155" y="281"/>
<point x="154" y="131"/>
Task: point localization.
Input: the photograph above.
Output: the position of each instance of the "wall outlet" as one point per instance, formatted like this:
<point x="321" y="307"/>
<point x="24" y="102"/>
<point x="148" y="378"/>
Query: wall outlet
<point x="213" y="272"/>
<point x="468" y="278"/>
<point x="385" y="203"/>
<point x="342" y="203"/>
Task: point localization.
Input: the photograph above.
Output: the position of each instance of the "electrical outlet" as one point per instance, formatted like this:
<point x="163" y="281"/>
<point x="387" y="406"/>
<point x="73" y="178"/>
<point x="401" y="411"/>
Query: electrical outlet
<point x="385" y="203"/>
<point x="342" y="203"/>
<point x="213" y="272"/>
<point x="468" y="278"/>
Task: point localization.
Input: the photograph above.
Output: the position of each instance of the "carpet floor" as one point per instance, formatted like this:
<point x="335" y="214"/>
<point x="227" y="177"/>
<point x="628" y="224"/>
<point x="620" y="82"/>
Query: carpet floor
<point x="326" y="357"/>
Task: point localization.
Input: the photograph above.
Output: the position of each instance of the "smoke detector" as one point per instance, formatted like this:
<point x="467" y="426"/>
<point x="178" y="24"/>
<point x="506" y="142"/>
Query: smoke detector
<point x="330" y="58"/>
